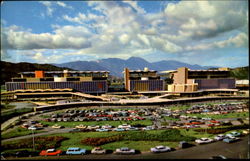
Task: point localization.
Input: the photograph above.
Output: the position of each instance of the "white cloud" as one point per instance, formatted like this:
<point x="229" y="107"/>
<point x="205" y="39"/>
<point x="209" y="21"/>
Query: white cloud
<point x="115" y="29"/>
<point x="62" y="4"/>
<point x="49" y="8"/>
<point x="204" y="19"/>
<point x="240" y="40"/>
<point x="66" y="37"/>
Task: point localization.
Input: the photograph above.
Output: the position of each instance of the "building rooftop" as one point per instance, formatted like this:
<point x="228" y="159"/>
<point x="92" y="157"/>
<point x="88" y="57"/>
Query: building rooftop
<point x="50" y="72"/>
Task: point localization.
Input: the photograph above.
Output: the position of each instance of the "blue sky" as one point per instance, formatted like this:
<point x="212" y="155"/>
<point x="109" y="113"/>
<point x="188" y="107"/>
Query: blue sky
<point x="196" y="32"/>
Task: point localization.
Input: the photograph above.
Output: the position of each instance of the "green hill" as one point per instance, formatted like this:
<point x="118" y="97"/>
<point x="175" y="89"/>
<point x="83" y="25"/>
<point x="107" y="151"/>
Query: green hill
<point x="240" y="73"/>
<point x="10" y="70"/>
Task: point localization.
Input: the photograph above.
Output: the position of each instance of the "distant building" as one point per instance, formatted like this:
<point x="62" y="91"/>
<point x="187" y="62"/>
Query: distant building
<point x="242" y="84"/>
<point x="142" y="80"/>
<point x="186" y="80"/>
<point x="82" y="81"/>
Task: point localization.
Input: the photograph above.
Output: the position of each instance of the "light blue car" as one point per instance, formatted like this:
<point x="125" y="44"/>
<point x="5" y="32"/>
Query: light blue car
<point x="119" y="129"/>
<point x="77" y="151"/>
<point x="102" y="130"/>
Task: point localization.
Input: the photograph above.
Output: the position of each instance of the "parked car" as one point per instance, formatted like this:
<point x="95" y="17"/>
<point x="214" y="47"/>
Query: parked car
<point x="81" y="126"/>
<point x="23" y="153"/>
<point x="24" y="126"/>
<point x="203" y="140"/>
<point x="132" y="128"/>
<point x="219" y="137"/>
<point x="50" y="152"/>
<point x="235" y="133"/>
<point x="102" y="130"/>
<point x="118" y="129"/>
<point x="148" y="128"/>
<point x="106" y="126"/>
<point x="160" y="149"/>
<point x="39" y="125"/>
<point x="33" y="122"/>
<point x="76" y="151"/>
<point x="75" y="130"/>
<point x="124" y="126"/>
<point x="56" y="126"/>
<point x="125" y="150"/>
<point x="184" y="144"/>
<point x="93" y="127"/>
<point x="218" y="157"/>
<point x="33" y="128"/>
<point x="98" y="150"/>
<point x="230" y="139"/>
<point x="245" y="132"/>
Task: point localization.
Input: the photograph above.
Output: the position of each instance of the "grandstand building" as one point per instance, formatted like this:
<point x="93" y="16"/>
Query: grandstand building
<point x="186" y="80"/>
<point x="142" y="80"/>
<point x="92" y="82"/>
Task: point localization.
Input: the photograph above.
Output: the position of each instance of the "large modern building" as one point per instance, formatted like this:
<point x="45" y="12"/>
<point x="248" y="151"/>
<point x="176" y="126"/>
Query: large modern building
<point x="83" y="81"/>
<point x="142" y="80"/>
<point x="186" y="80"/>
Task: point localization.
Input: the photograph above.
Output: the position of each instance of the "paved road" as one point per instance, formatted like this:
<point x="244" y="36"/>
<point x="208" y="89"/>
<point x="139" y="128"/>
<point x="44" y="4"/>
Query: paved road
<point x="237" y="150"/>
<point x="47" y="132"/>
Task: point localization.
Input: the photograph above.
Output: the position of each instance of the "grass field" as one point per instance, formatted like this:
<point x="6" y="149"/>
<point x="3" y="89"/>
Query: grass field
<point x="100" y="123"/>
<point x="75" y="138"/>
<point x="18" y="132"/>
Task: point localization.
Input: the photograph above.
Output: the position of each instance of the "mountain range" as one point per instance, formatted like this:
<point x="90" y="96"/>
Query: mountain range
<point x="116" y="66"/>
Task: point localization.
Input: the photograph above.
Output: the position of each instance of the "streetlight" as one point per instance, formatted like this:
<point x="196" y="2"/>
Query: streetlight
<point x="33" y="140"/>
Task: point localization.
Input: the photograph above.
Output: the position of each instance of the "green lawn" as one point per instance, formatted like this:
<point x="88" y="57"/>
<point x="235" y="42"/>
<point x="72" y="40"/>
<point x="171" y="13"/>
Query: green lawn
<point x="18" y="132"/>
<point x="88" y="123"/>
<point x="75" y="138"/>
<point x="170" y="118"/>
<point x="223" y="116"/>
<point x="191" y="132"/>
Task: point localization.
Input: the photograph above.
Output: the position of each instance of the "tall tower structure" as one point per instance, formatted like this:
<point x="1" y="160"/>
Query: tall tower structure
<point x="126" y="78"/>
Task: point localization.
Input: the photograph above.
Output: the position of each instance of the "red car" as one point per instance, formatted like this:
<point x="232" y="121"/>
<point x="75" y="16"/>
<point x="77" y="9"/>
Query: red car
<point x="213" y="121"/>
<point x="50" y="152"/>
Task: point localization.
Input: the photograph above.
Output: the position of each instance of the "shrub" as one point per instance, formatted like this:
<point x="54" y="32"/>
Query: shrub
<point x="41" y="143"/>
<point x="101" y="140"/>
<point x="222" y="129"/>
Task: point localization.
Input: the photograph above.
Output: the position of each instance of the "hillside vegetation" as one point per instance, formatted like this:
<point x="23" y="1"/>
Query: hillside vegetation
<point x="240" y="73"/>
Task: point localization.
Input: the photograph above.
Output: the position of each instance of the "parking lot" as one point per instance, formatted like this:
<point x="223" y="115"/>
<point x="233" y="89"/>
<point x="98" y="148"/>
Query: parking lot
<point x="133" y="119"/>
<point x="160" y="118"/>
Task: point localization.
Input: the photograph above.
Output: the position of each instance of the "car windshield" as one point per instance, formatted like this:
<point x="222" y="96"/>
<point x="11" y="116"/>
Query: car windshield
<point x="160" y="147"/>
<point x="124" y="149"/>
<point x="50" y="150"/>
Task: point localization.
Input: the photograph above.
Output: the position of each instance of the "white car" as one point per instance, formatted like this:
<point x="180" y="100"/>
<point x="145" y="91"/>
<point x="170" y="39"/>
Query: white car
<point x="219" y="137"/>
<point x="132" y="128"/>
<point x="160" y="149"/>
<point x="124" y="126"/>
<point x="203" y="140"/>
<point x="106" y="126"/>
<point x="125" y="150"/>
<point x="93" y="127"/>
<point x="98" y="150"/>
<point x="32" y="128"/>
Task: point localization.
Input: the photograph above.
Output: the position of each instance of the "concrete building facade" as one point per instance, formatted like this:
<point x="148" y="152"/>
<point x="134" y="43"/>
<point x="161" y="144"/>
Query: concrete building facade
<point x="142" y="80"/>
<point x="186" y="80"/>
<point x="82" y="81"/>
